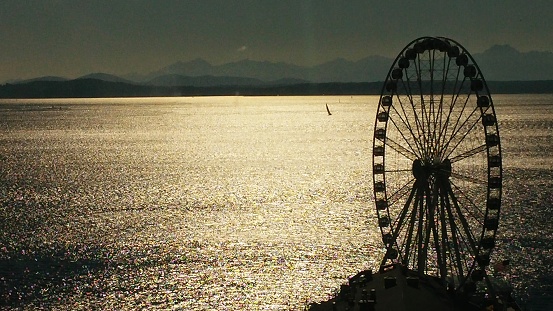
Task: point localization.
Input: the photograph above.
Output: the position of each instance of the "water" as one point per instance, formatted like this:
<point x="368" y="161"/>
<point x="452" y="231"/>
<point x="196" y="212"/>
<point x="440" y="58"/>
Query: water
<point x="214" y="203"/>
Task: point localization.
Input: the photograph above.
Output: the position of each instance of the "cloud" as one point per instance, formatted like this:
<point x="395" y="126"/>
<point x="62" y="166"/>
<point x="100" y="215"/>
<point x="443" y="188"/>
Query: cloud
<point x="242" y="48"/>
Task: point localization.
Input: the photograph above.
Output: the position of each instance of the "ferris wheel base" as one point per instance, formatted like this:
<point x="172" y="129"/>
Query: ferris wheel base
<point x="401" y="289"/>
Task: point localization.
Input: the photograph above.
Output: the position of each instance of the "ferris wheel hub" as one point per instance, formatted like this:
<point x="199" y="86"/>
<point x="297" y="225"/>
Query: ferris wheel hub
<point x="423" y="169"/>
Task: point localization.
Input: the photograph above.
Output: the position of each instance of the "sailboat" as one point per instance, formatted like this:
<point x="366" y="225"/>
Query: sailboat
<point x="328" y="110"/>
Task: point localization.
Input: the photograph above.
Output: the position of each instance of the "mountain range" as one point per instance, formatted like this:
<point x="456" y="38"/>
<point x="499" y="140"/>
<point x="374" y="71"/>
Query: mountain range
<point x="498" y="63"/>
<point x="505" y="69"/>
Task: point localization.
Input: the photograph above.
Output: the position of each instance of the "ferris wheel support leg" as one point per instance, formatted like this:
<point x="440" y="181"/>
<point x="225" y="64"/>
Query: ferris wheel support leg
<point x="454" y="230"/>
<point x="437" y="245"/>
<point x="421" y="254"/>
<point x="464" y="221"/>
<point x="429" y="223"/>
<point x="401" y="220"/>
<point x="405" y="259"/>
<point x="445" y="250"/>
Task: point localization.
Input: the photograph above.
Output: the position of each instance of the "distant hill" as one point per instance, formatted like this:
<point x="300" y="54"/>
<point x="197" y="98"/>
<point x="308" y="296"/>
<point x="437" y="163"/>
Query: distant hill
<point x="196" y="67"/>
<point x="105" y="77"/>
<point x="201" y="81"/>
<point x="504" y="63"/>
<point x="82" y="87"/>
<point x="45" y="78"/>
<point x="212" y="81"/>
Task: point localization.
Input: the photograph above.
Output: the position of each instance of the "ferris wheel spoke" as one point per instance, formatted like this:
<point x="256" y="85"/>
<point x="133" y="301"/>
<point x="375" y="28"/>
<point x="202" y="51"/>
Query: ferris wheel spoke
<point x="434" y="99"/>
<point x="444" y="123"/>
<point x="412" y="149"/>
<point x="456" y="91"/>
<point x="442" y="94"/>
<point x="399" y="170"/>
<point x="466" y="252"/>
<point x="420" y="232"/>
<point x="408" y="92"/>
<point x="468" y="154"/>
<point x="465" y="225"/>
<point x="457" y="126"/>
<point x="398" y="224"/>
<point x="454" y="236"/>
<point x="400" y="221"/>
<point x="418" y="72"/>
<point x="454" y="97"/>
<point x="426" y="104"/>
<point x="405" y="120"/>
<point x="413" y="108"/>
<point x="430" y="207"/>
<point x="465" y="258"/>
<point x="469" y="179"/>
<point x="471" y="203"/>
<point x="444" y="239"/>
<point x="399" y="193"/>
<point x="463" y="136"/>
<point x="407" y="153"/>
<point x="411" y="229"/>
<point x="439" y="253"/>
<point x="427" y="134"/>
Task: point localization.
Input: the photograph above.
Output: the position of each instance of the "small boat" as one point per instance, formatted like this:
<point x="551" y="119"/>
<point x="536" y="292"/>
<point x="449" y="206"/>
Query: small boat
<point x="328" y="110"/>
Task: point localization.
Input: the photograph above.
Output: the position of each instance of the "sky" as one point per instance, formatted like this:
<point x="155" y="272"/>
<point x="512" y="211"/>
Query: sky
<point x="71" y="38"/>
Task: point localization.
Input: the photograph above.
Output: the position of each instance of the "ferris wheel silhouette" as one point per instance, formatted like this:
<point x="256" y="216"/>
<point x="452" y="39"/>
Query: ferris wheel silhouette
<point x="437" y="165"/>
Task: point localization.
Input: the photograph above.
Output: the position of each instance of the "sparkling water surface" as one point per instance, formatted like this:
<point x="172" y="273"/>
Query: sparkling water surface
<point x="224" y="203"/>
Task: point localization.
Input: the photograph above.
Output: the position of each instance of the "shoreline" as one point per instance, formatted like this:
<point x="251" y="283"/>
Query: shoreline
<point x="93" y="88"/>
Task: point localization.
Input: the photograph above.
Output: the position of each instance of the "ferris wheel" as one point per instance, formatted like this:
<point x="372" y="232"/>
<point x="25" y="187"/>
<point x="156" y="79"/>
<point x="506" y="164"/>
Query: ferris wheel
<point x="437" y="166"/>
